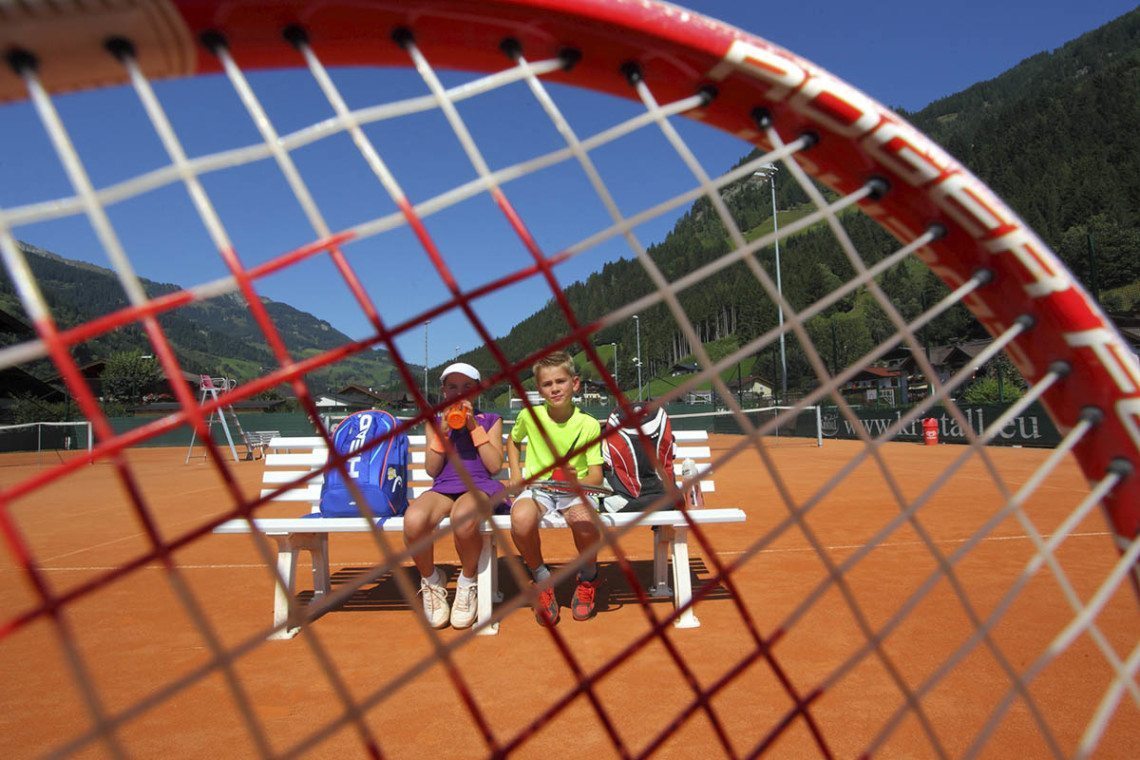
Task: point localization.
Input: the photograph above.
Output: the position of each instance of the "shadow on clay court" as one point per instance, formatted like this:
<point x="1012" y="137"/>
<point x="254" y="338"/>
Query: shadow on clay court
<point x="614" y="593"/>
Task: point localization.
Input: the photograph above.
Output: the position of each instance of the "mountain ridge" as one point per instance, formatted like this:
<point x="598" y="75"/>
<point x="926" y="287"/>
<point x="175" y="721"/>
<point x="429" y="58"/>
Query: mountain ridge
<point x="217" y="336"/>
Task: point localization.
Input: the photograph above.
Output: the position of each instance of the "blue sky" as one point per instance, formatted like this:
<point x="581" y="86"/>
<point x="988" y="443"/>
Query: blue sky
<point x="904" y="54"/>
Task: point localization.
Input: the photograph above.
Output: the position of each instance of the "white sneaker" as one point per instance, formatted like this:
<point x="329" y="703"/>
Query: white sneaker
<point x="466" y="607"/>
<point x="435" y="601"/>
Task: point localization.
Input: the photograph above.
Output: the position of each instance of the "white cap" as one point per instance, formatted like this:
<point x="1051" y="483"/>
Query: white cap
<point x="462" y="368"/>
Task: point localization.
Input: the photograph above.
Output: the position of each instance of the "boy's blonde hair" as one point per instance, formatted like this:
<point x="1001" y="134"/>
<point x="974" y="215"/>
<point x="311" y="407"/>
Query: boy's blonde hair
<point x="554" y="360"/>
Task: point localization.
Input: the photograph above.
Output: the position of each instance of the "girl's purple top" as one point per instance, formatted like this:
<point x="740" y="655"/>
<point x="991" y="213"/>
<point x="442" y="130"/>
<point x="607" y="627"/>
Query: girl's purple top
<point x="448" y="480"/>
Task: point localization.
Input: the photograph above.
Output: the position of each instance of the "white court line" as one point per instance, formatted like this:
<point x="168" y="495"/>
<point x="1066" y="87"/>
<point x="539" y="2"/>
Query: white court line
<point x="559" y="560"/>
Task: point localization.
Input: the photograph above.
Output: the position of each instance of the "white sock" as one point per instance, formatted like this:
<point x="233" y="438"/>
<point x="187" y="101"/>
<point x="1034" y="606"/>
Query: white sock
<point x="464" y="581"/>
<point x="435" y="579"/>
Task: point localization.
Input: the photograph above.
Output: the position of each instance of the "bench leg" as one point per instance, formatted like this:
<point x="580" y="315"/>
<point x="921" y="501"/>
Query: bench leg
<point x="487" y="585"/>
<point x="319" y="552"/>
<point x="681" y="580"/>
<point x="283" y="588"/>
<point x="496" y="592"/>
<point x="289" y="548"/>
<point x="662" y="539"/>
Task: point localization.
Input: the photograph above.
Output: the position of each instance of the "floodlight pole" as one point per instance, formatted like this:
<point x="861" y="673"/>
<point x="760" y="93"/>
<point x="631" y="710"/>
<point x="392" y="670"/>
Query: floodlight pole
<point x="771" y="176"/>
<point x="616" y="383"/>
<point x="780" y="290"/>
<point x="637" y="325"/>
<point x="426" y="323"/>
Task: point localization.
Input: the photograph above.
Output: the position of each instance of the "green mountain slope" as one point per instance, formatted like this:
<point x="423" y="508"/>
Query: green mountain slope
<point x="218" y="336"/>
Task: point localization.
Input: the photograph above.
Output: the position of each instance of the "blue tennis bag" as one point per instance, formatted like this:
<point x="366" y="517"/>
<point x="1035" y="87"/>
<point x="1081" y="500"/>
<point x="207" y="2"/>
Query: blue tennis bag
<point x="379" y="472"/>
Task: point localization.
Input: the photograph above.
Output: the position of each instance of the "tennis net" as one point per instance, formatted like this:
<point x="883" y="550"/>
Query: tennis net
<point x="39" y="437"/>
<point x="778" y="424"/>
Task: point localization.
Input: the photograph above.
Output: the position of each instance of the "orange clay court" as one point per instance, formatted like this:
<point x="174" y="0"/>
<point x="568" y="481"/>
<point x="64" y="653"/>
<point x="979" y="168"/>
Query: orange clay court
<point x="144" y="654"/>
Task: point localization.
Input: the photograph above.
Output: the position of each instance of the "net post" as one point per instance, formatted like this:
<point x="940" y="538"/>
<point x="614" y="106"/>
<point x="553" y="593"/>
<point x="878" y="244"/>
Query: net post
<point x="818" y="426"/>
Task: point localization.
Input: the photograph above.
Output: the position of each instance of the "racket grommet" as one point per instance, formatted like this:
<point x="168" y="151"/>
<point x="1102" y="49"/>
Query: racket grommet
<point x="1028" y="321"/>
<point x="570" y="57"/>
<point x="879" y="187"/>
<point x="1060" y="368"/>
<point x="511" y="48"/>
<point x="708" y="93"/>
<point x="295" y="35"/>
<point x="937" y="230"/>
<point x="1120" y="467"/>
<point x="21" y="60"/>
<point x="1093" y="415"/>
<point x="631" y="70"/>
<point x="120" y="47"/>
<point x="984" y="276"/>
<point x="402" y="36"/>
<point x="213" y="41"/>
<point x="762" y="117"/>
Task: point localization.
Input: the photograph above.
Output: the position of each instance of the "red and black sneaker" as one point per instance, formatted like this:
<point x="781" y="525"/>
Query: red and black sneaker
<point x="546" y="608"/>
<point x="582" y="605"/>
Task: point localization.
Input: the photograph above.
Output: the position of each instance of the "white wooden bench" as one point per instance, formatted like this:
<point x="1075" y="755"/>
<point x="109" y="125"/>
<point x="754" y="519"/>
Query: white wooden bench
<point x="311" y="534"/>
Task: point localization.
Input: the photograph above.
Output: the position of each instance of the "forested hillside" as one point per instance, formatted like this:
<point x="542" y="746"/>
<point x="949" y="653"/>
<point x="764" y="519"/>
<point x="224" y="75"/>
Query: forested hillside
<point x="1056" y="136"/>
<point x="217" y="336"/>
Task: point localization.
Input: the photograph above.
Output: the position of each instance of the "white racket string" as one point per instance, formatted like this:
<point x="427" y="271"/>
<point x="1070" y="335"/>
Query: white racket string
<point x="237" y="157"/>
<point x="804" y="338"/>
<point x="36" y="349"/>
<point x="796" y="326"/>
<point x="212" y="222"/>
<point x="1044" y="529"/>
<point x="798" y="513"/>
<point x="712" y="193"/>
<point x="663" y="288"/>
<point x="482" y="169"/>
<point x="391" y="185"/>
<point x="1125" y="679"/>
<point x="981" y="628"/>
<point x="824" y="390"/>
<point x="964" y="547"/>
<point x="1045" y="554"/>
<point x="892" y="313"/>
<point x="77" y="174"/>
<point x="1121" y="573"/>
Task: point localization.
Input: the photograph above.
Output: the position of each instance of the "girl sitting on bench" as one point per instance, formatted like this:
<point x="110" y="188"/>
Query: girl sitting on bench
<point x="477" y="441"/>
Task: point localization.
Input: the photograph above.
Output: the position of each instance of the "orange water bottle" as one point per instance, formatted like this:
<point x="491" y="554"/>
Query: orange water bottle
<point x="456" y="415"/>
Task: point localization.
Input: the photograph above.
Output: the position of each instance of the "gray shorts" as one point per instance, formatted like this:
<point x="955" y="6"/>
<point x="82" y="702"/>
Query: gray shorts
<point x="548" y="502"/>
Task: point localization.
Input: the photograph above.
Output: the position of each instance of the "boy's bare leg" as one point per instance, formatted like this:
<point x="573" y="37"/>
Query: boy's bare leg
<point x="422" y="517"/>
<point x="525" y="515"/>
<point x="580" y="520"/>
<point x="466" y="516"/>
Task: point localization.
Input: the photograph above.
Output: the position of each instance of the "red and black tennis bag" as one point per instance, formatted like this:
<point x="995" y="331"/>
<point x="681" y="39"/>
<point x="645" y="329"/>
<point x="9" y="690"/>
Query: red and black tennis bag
<point x="629" y="469"/>
<point x="379" y="473"/>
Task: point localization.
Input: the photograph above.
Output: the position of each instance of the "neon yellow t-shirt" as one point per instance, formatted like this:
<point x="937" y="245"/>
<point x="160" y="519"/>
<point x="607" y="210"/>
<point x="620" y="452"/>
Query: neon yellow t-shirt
<point x="580" y="429"/>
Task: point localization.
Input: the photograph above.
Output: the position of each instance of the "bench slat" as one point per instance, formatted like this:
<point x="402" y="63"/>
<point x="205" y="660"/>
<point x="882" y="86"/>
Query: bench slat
<point x="312" y="460"/>
<point x="310" y="495"/>
<point x="296" y="442"/>
<point x="278" y="525"/>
